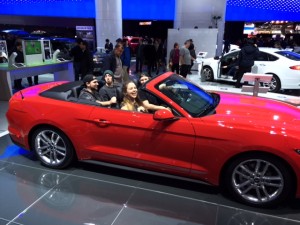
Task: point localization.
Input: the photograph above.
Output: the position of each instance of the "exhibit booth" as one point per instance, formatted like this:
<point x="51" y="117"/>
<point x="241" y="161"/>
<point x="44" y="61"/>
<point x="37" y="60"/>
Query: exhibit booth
<point x="38" y="60"/>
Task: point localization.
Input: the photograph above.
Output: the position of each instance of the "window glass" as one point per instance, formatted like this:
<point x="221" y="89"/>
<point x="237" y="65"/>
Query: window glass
<point x="289" y="55"/>
<point x="190" y="97"/>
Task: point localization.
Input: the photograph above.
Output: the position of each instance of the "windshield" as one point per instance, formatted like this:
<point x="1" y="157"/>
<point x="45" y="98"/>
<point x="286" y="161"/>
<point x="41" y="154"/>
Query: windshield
<point x="289" y="55"/>
<point x="190" y="97"/>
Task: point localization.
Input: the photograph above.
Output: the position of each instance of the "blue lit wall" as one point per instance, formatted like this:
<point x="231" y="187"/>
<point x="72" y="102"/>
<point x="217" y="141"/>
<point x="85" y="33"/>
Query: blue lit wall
<point x="52" y="8"/>
<point x="262" y="10"/>
<point x="237" y="10"/>
<point x="148" y="10"/>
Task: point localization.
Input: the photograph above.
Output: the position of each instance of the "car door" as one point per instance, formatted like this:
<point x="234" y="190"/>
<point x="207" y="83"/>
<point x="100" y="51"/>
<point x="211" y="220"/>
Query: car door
<point x="135" y="138"/>
<point x="225" y="63"/>
<point x="168" y="145"/>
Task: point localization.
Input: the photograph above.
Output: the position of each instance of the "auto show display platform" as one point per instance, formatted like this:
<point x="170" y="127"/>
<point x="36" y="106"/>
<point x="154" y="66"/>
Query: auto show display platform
<point x="95" y="194"/>
<point x="89" y="193"/>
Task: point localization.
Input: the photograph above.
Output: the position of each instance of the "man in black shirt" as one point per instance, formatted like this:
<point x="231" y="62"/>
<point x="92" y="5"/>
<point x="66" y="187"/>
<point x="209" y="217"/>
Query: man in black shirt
<point x="109" y="90"/>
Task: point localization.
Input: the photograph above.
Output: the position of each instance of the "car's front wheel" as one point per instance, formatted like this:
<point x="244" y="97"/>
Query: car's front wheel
<point x="208" y="73"/>
<point x="258" y="180"/>
<point x="52" y="147"/>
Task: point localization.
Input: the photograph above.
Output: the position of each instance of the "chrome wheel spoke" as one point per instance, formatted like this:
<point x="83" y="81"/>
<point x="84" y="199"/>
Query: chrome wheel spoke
<point x="51" y="147"/>
<point x="257" y="180"/>
<point x="247" y="182"/>
<point x="44" y="138"/>
<point x="246" y="190"/>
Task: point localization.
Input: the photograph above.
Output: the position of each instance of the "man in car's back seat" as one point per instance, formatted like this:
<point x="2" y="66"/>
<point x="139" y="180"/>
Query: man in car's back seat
<point x="90" y="92"/>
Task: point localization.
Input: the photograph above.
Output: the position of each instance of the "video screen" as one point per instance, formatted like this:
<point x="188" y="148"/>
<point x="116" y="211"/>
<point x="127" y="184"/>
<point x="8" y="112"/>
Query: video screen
<point x="33" y="47"/>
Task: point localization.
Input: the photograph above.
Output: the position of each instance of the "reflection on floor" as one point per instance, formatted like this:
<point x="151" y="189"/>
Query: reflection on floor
<point x="97" y="194"/>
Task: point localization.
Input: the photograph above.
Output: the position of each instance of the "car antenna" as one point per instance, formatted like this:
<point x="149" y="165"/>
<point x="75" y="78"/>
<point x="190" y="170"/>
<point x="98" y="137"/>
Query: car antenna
<point x="21" y="94"/>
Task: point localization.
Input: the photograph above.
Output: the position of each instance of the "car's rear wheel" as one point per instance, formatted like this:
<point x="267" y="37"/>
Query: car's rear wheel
<point x="208" y="73"/>
<point x="258" y="180"/>
<point x="274" y="85"/>
<point x="52" y="147"/>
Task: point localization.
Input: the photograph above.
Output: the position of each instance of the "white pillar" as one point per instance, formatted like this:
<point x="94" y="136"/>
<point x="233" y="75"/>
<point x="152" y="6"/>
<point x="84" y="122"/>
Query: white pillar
<point x="108" y="21"/>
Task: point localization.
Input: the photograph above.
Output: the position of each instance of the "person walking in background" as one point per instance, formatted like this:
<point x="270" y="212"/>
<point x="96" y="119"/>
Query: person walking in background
<point x="193" y="55"/>
<point x="139" y="56"/>
<point x="108" y="46"/>
<point x="76" y="54"/>
<point x="35" y="80"/>
<point x="113" y="62"/>
<point x="19" y="59"/>
<point x="174" y="58"/>
<point x="245" y="60"/>
<point x="150" y="56"/>
<point x="185" y="59"/>
<point x="86" y="63"/>
<point x="126" y="59"/>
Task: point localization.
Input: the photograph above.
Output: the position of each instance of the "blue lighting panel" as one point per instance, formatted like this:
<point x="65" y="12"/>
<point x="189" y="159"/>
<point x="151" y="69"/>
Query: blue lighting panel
<point x="262" y="10"/>
<point x="148" y="10"/>
<point x="52" y="8"/>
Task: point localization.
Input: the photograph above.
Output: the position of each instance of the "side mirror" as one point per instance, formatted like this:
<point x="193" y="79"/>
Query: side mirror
<point x="216" y="57"/>
<point x="164" y="115"/>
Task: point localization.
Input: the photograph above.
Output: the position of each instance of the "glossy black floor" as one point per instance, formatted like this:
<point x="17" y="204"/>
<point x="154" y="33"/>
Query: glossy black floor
<point x="89" y="194"/>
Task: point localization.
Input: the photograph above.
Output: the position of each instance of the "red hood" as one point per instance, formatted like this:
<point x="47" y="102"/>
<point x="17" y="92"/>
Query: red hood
<point x="257" y="111"/>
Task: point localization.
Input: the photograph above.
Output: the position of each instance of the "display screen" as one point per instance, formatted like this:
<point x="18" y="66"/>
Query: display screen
<point x="33" y="47"/>
<point x="236" y="10"/>
<point x="53" y="8"/>
<point x="258" y="10"/>
<point x="149" y="10"/>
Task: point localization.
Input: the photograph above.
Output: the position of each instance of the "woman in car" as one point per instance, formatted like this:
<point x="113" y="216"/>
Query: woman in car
<point x="131" y="101"/>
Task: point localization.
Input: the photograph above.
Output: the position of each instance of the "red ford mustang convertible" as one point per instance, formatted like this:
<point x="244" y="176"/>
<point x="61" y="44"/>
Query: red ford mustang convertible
<point x="248" y="145"/>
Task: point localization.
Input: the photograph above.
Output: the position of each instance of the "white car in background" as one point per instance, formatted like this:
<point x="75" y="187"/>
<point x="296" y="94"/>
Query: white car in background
<point x="284" y="65"/>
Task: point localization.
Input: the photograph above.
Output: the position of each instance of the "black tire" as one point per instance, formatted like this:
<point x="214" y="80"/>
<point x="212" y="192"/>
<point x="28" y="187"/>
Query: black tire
<point x="52" y="147"/>
<point x="258" y="180"/>
<point x="274" y="85"/>
<point x="208" y="73"/>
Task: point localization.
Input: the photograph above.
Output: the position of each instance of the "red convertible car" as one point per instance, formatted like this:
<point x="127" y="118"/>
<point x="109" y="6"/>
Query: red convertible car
<point x="250" y="146"/>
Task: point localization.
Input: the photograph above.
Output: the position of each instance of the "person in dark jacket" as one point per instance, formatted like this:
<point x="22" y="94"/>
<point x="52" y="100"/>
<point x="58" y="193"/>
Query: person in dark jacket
<point x="113" y="62"/>
<point x="245" y="61"/>
<point x="90" y="92"/>
<point x="86" y="63"/>
<point x="76" y="54"/>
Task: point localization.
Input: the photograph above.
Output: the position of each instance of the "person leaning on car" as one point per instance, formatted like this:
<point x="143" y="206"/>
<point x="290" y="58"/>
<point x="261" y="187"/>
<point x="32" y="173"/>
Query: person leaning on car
<point x="90" y="91"/>
<point x="245" y="61"/>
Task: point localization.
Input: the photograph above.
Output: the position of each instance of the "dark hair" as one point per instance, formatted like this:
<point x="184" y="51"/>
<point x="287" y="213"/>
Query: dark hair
<point x="79" y="40"/>
<point x="126" y="100"/>
<point x="18" y="43"/>
<point x="118" y="45"/>
<point x="175" y="44"/>
<point x="187" y="42"/>
<point x="106" y="40"/>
